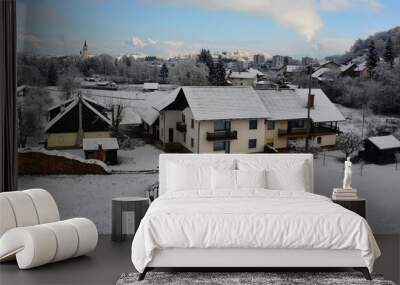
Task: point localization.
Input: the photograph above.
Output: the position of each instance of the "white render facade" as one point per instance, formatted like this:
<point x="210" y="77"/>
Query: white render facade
<point x="198" y="137"/>
<point x="243" y="120"/>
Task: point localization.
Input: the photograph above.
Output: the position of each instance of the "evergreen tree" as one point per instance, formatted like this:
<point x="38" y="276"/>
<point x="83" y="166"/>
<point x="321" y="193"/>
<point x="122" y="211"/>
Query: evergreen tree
<point x="372" y="58"/>
<point x="52" y="76"/>
<point x="219" y="74"/>
<point x="206" y="58"/>
<point x="164" y="73"/>
<point x="388" y="55"/>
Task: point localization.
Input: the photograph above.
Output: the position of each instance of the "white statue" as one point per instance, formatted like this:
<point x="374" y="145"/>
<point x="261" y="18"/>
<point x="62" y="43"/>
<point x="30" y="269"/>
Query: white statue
<point x="347" y="175"/>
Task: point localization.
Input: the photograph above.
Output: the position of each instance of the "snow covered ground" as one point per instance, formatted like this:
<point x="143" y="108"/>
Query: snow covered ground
<point x="379" y="184"/>
<point x="354" y="119"/>
<point x="90" y="195"/>
<point x="142" y="157"/>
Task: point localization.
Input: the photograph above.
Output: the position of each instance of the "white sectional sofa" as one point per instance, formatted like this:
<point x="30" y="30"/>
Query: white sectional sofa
<point x="31" y="231"/>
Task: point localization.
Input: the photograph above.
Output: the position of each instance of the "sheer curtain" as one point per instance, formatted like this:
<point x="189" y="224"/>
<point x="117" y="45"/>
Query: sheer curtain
<point x="8" y="138"/>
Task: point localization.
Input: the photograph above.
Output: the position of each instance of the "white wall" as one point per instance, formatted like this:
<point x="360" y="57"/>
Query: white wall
<point x="240" y="145"/>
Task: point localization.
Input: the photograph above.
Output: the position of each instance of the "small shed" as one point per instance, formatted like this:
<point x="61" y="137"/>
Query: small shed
<point x="381" y="149"/>
<point x="104" y="149"/>
<point x="150" y="86"/>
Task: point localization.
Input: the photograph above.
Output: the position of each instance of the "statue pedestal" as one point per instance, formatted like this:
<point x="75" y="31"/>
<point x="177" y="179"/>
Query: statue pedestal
<point x="344" y="194"/>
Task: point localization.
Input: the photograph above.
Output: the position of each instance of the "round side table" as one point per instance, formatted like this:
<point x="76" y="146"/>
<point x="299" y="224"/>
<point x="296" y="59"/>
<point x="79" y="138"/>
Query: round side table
<point x="139" y="205"/>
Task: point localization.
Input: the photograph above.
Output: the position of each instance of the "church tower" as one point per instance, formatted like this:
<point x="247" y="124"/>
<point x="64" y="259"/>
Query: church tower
<point x="84" y="51"/>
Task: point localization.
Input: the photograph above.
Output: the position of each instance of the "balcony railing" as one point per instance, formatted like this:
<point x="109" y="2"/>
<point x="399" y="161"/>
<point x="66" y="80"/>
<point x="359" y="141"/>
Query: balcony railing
<point x="222" y="135"/>
<point x="181" y="127"/>
<point x="313" y="131"/>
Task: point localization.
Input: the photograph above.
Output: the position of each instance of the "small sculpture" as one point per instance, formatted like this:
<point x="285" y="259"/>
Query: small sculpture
<point x="347" y="175"/>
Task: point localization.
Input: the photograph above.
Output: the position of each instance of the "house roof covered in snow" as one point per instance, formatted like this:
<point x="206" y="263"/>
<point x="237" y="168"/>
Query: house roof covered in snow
<point x="345" y="67"/>
<point x="148" y="108"/>
<point x="106" y="144"/>
<point x="218" y="103"/>
<point x="150" y="86"/>
<point x="251" y="73"/>
<point x="282" y="104"/>
<point x="324" y="110"/>
<point x="320" y="72"/>
<point x="86" y="102"/>
<point x="385" y="142"/>
<point x="289" y="104"/>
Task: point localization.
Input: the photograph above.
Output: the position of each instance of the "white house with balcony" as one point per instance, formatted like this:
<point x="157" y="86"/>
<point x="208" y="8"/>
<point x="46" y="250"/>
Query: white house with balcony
<point x="214" y="119"/>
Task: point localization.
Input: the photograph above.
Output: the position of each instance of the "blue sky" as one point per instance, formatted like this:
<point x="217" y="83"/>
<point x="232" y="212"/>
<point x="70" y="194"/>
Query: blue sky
<point x="171" y="27"/>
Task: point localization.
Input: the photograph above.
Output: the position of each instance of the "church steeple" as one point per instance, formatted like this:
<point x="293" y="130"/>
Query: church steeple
<point x="85" y="51"/>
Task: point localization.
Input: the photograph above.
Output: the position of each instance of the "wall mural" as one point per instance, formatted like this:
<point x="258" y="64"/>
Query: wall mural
<point x="106" y="86"/>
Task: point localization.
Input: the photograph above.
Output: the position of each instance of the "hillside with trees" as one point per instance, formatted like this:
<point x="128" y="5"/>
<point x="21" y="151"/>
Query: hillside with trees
<point x="380" y="91"/>
<point x="380" y="40"/>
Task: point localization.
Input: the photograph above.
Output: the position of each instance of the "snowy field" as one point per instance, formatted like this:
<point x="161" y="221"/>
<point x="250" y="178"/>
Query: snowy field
<point x="140" y="158"/>
<point x="90" y="195"/>
<point x="354" y="119"/>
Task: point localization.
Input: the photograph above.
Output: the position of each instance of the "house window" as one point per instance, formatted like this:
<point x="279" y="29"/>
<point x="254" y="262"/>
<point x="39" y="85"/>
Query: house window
<point x="319" y="140"/>
<point x="192" y="142"/>
<point x="183" y="117"/>
<point x="222" y="125"/>
<point x="271" y="125"/>
<point x="296" y="124"/>
<point x="192" y="124"/>
<point x="219" y="146"/>
<point x="253" y="124"/>
<point x="184" y="137"/>
<point x="252" y="143"/>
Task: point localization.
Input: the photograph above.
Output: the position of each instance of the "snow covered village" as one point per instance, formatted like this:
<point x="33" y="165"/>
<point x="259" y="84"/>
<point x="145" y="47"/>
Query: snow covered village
<point x="100" y="122"/>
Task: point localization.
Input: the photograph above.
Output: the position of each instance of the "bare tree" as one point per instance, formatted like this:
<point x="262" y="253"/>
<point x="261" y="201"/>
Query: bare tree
<point x="189" y="73"/>
<point x="69" y="82"/>
<point x="349" y="143"/>
<point x="32" y="113"/>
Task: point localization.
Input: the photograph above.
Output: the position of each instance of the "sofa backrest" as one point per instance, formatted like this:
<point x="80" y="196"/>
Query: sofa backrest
<point x="26" y="208"/>
<point x="269" y="161"/>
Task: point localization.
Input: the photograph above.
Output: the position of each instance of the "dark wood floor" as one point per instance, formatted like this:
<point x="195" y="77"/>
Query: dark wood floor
<point x="110" y="260"/>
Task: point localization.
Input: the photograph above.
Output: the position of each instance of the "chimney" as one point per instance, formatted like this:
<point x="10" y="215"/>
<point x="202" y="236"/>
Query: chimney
<point x="311" y="100"/>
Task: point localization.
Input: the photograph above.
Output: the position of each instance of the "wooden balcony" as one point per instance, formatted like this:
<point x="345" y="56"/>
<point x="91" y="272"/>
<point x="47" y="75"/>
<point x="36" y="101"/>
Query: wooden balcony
<point x="181" y="127"/>
<point x="315" y="130"/>
<point x="222" y="135"/>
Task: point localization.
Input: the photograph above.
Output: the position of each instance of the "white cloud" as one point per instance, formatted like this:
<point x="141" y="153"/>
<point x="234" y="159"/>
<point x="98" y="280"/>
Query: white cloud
<point x="159" y="47"/>
<point x="137" y="42"/>
<point x="331" y="46"/>
<point x="151" y="41"/>
<point x="300" y="15"/>
<point x="335" y="5"/>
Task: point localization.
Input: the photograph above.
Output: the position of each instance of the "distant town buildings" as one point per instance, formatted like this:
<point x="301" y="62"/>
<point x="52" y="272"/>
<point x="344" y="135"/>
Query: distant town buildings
<point x="278" y="61"/>
<point x="244" y="78"/>
<point x="308" y="61"/>
<point x="259" y="59"/>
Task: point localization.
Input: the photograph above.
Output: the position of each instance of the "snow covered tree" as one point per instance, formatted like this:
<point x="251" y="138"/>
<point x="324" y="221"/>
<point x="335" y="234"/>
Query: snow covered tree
<point x="388" y="55"/>
<point x="164" y="73"/>
<point x="218" y="75"/>
<point x="349" y="143"/>
<point x="52" y="76"/>
<point x="206" y="58"/>
<point x="372" y="58"/>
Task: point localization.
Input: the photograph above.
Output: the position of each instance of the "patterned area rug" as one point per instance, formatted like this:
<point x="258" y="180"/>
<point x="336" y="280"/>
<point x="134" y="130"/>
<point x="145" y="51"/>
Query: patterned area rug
<point x="243" y="278"/>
